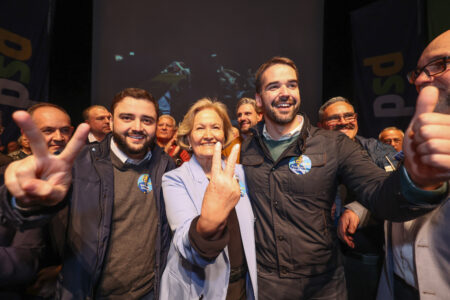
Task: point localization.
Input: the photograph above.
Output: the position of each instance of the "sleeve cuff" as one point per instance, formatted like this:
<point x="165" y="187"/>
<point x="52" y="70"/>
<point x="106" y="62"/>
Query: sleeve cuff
<point x="20" y="208"/>
<point x="418" y="196"/>
<point x="207" y="248"/>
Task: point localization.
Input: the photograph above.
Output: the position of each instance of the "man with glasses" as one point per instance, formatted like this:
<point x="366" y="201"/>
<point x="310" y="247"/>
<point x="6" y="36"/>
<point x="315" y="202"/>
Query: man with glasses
<point x="364" y="256"/>
<point x="392" y="136"/>
<point x="417" y="261"/>
<point x="417" y="264"/>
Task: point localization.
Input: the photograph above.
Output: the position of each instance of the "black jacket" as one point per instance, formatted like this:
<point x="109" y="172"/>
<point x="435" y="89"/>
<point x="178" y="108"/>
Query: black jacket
<point x="87" y="220"/>
<point x="293" y="228"/>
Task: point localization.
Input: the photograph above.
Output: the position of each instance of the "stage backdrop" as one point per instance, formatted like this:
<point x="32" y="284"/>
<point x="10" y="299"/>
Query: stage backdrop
<point x="388" y="37"/>
<point x="184" y="50"/>
<point x="23" y="58"/>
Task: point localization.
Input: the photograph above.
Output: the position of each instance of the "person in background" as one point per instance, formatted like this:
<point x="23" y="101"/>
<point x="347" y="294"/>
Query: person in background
<point x="364" y="260"/>
<point x="248" y="115"/>
<point x="212" y="254"/>
<point x="392" y="136"/>
<point x="24" y="150"/>
<point x="99" y="120"/>
<point x="166" y="136"/>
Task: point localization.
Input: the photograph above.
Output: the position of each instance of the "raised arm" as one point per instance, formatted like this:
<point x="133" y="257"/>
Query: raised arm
<point x="42" y="179"/>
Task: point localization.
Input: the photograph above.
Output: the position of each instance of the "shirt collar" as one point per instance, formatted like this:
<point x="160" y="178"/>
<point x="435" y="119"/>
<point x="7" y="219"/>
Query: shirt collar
<point x="91" y="138"/>
<point x="287" y="136"/>
<point x="124" y="158"/>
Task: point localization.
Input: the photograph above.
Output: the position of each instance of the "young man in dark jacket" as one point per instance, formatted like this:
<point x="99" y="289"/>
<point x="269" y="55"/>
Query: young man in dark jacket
<point x="292" y="171"/>
<point x="116" y="234"/>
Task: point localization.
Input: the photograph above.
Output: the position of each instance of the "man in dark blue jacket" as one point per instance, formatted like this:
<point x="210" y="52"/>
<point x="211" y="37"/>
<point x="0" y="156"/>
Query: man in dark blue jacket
<point x="116" y="234"/>
<point x="364" y="259"/>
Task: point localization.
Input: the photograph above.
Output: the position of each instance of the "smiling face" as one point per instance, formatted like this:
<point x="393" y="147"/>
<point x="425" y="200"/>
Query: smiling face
<point x="280" y="95"/>
<point x="54" y="125"/>
<point x="165" y="129"/>
<point x="207" y="130"/>
<point x="134" y="125"/>
<point x="247" y="117"/>
<point x="340" y="116"/>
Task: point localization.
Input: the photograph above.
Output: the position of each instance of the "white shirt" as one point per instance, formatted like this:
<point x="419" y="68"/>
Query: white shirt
<point x="403" y="240"/>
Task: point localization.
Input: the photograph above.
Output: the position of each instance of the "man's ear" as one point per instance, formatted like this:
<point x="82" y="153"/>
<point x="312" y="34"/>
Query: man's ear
<point x="259" y="117"/>
<point x="258" y="100"/>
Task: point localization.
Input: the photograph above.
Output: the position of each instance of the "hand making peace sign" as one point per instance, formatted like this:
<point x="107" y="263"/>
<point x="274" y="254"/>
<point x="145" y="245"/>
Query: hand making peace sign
<point x="42" y="178"/>
<point x="222" y="194"/>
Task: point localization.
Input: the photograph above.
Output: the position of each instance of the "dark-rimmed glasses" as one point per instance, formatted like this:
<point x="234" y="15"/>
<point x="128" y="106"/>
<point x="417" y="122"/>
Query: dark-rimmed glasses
<point x="433" y="68"/>
<point x="334" y="119"/>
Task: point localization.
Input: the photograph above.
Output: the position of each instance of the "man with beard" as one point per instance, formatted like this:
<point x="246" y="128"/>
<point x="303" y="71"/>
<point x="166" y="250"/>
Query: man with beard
<point x="248" y="115"/>
<point x="364" y="256"/>
<point x="292" y="171"/>
<point x="98" y="118"/>
<point x="116" y="236"/>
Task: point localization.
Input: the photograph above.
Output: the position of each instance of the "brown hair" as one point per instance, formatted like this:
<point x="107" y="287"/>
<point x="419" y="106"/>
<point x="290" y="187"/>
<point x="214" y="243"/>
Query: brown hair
<point x="186" y="125"/>
<point x="136" y="93"/>
<point x="277" y="60"/>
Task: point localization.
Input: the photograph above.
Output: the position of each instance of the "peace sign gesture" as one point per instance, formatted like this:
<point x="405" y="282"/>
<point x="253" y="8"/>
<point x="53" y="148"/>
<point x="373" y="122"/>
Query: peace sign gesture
<point x="427" y="142"/>
<point x="222" y="194"/>
<point x="42" y="178"/>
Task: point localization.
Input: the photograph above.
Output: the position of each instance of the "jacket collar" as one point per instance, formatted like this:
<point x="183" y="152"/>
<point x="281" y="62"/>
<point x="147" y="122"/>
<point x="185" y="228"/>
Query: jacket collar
<point x="301" y="141"/>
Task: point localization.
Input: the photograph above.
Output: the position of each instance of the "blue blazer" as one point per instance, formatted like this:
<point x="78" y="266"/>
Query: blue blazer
<point x="187" y="274"/>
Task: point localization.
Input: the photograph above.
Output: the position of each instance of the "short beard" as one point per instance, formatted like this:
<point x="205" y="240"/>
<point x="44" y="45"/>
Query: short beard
<point x="277" y="119"/>
<point x="122" y="144"/>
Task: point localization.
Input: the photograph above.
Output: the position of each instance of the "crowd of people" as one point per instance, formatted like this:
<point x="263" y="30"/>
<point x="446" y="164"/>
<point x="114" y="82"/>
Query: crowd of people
<point x="132" y="205"/>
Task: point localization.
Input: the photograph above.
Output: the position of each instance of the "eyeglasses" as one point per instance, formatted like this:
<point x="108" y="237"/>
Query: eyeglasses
<point x="433" y="68"/>
<point x="390" y="141"/>
<point x="348" y="117"/>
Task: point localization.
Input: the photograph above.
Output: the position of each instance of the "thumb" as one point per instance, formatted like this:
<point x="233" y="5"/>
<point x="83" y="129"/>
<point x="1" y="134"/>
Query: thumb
<point x="427" y="100"/>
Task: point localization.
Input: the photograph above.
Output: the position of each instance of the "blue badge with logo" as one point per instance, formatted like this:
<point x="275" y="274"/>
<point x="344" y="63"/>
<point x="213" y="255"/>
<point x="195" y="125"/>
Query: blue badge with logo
<point x="300" y="165"/>
<point x="144" y="183"/>
<point x="242" y="187"/>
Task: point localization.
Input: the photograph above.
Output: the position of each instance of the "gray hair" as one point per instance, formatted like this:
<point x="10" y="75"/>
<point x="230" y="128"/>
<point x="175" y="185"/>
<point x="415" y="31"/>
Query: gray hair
<point x="329" y="102"/>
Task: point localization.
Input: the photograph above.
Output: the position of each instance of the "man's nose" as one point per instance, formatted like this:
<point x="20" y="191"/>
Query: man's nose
<point x="284" y="91"/>
<point x="137" y="125"/>
<point x="57" y="135"/>
<point x="422" y="79"/>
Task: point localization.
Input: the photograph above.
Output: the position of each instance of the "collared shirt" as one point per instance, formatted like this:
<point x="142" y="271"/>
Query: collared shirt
<point x="294" y="132"/>
<point x="403" y="240"/>
<point x="124" y="158"/>
<point x="92" y="138"/>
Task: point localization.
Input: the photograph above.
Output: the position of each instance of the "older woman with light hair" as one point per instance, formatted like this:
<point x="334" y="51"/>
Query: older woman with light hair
<point x="212" y="254"/>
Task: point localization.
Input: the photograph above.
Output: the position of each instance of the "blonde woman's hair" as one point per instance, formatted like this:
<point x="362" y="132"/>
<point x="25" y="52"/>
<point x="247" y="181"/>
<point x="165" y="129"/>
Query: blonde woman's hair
<point x="185" y="127"/>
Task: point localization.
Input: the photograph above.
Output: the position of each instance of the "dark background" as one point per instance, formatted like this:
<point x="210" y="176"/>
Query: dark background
<point x="71" y="54"/>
